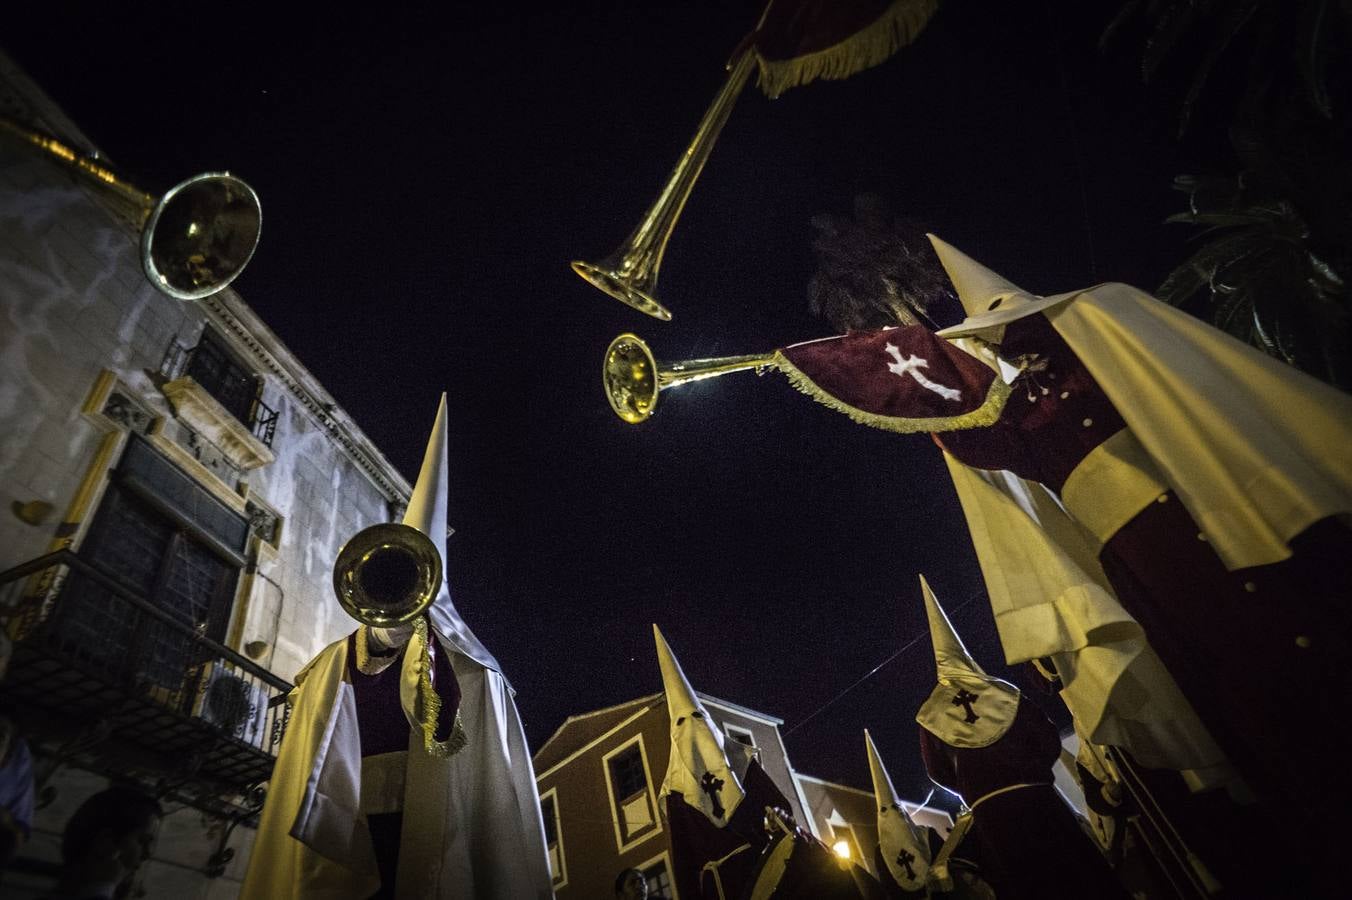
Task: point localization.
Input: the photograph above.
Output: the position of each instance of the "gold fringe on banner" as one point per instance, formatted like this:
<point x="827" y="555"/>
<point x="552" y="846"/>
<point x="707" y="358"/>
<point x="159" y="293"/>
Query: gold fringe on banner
<point x="985" y="414"/>
<point x="873" y="44"/>
<point x="431" y="704"/>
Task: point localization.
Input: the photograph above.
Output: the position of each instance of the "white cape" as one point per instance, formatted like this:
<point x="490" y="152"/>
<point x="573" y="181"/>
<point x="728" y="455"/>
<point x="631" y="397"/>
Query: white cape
<point x="472" y="824"/>
<point x="1050" y="598"/>
<point x="1257" y="450"/>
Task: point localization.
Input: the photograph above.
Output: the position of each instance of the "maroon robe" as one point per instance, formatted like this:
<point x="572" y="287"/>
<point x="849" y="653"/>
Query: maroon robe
<point x="1030" y="844"/>
<point x="812" y="871"/>
<point x="696" y="841"/>
<point x="382" y="727"/>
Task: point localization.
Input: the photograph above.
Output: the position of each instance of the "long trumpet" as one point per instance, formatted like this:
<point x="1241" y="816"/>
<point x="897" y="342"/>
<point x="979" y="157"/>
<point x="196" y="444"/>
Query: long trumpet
<point x="630" y="273"/>
<point x="387" y="574"/>
<point x="633" y="379"/>
<point x="195" y="239"/>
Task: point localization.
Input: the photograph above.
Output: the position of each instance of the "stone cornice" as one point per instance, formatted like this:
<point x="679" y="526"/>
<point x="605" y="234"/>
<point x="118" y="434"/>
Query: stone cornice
<point x="247" y="332"/>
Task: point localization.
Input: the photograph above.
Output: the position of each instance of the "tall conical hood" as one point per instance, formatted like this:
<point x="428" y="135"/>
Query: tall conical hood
<point x="904" y="848"/>
<point x="990" y="300"/>
<point x="950" y="655"/>
<point x="968" y="708"/>
<point x="681" y="699"/>
<point x="427" y="513"/>
<point x="427" y="507"/>
<point x="883" y="790"/>
<point x="699" y="769"/>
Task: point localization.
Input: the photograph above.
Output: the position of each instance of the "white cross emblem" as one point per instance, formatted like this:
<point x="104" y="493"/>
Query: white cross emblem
<point x="911" y="366"/>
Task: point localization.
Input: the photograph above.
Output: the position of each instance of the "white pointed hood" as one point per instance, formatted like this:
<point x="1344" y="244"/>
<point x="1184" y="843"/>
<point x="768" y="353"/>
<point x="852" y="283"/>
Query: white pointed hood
<point x="968" y="708"/>
<point x="905" y="849"/>
<point x="427" y="513"/>
<point x="990" y="300"/>
<point x="699" y="769"/>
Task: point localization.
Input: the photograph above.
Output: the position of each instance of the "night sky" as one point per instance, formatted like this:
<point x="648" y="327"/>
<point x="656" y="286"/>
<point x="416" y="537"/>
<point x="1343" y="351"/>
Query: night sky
<point x="425" y="180"/>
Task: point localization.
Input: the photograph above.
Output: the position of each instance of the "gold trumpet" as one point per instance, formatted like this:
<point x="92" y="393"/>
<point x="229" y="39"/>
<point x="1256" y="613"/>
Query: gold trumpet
<point x="633" y="378"/>
<point x="387" y="574"/>
<point x="195" y="239"/>
<point x="630" y="273"/>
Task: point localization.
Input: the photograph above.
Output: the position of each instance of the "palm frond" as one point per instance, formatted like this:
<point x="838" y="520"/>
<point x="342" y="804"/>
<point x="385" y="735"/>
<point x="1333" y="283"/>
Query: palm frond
<point x="1312" y="56"/>
<point x="1172" y="21"/>
<point x="1124" y="15"/>
<point x="1232" y="23"/>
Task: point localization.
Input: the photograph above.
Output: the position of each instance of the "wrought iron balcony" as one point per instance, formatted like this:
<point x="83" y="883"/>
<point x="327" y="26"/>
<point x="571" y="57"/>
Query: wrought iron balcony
<point x="105" y="679"/>
<point x="233" y="386"/>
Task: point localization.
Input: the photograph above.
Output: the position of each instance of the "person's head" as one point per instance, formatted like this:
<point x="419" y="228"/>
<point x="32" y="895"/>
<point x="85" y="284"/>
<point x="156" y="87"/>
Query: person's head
<point x="875" y="269"/>
<point x="110" y="835"/>
<point x="631" y="885"/>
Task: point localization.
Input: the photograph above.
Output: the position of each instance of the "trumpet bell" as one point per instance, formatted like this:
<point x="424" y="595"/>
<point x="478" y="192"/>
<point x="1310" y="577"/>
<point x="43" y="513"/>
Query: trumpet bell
<point x="631" y="379"/>
<point x="617" y="280"/>
<point x="387" y="574"/>
<point x="200" y="235"/>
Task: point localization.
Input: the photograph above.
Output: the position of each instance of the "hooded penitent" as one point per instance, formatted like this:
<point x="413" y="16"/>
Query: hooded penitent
<point x="1256" y="450"/>
<point x="471" y="824"/>
<point x="990" y="300"/>
<point x="1206" y="476"/>
<point x="967" y="708"/>
<point x="699" y="770"/>
<point x="905" y="851"/>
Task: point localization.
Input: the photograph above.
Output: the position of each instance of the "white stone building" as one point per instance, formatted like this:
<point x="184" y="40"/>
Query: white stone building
<point x="175" y="487"/>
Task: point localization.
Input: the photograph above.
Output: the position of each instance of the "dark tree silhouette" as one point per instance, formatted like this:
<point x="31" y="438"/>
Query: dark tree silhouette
<point x="1274" y="258"/>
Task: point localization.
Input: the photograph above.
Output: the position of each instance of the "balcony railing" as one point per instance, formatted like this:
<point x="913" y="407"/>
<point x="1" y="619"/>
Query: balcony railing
<point x="234" y="387"/>
<point x="122" y="686"/>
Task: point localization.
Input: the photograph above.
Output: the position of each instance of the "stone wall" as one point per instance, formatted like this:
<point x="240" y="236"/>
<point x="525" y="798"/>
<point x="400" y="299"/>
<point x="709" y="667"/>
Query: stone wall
<point x="87" y="347"/>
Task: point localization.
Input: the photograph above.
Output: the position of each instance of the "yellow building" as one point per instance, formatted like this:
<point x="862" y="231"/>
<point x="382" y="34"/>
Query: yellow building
<point x="600" y="772"/>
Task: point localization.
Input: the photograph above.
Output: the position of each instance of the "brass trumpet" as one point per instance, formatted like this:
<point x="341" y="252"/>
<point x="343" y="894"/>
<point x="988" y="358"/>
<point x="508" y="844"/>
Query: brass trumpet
<point x="195" y="239"/>
<point x="630" y="273"/>
<point x="387" y="574"/>
<point x="633" y="378"/>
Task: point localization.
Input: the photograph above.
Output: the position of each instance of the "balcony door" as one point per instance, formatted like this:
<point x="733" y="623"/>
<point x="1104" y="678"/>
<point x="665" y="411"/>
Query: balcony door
<point x="173" y="545"/>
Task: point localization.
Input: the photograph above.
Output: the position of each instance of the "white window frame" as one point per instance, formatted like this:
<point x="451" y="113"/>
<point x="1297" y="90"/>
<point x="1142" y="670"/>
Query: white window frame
<point x="561" y="880"/>
<point x="665" y="859"/>
<point x="615" y="813"/>
<point x="729" y="728"/>
<point x="842" y="829"/>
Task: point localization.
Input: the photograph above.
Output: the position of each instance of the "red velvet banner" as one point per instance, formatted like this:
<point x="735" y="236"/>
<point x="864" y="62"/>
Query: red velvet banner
<point x="901" y="379"/>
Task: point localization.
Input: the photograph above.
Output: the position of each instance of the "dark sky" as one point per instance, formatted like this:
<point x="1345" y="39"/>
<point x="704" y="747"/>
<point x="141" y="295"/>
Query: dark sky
<point x="427" y="177"/>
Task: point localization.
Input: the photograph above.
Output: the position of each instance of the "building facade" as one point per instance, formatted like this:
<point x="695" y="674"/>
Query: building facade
<point x="175" y="487"/>
<point x="600" y="773"/>
<point x="846" y="815"/>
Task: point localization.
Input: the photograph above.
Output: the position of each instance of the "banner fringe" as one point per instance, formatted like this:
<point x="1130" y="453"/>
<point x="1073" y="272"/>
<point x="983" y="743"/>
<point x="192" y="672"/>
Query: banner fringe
<point x="896" y="27"/>
<point x="431" y="704"/>
<point x="984" y="415"/>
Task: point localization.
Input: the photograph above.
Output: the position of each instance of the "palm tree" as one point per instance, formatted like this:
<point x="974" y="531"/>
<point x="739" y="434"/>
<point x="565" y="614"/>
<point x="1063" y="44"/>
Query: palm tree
<point x="1274" y="258"/>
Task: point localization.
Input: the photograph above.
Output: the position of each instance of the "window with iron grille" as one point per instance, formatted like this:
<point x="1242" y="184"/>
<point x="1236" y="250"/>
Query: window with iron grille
<point x="631" y="799"/>
<point x="627" y="775"/>
<point x="551" y="824"/>
<point x="659" y="881"/>
<point x="172" y="544"/>
<point x="213" y="367"/>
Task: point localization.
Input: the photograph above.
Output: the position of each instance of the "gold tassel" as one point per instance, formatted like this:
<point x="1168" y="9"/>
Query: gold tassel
<point x="430" y="702"/>
<point x="985" y="414"/>
<point x="873" y="44"/>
